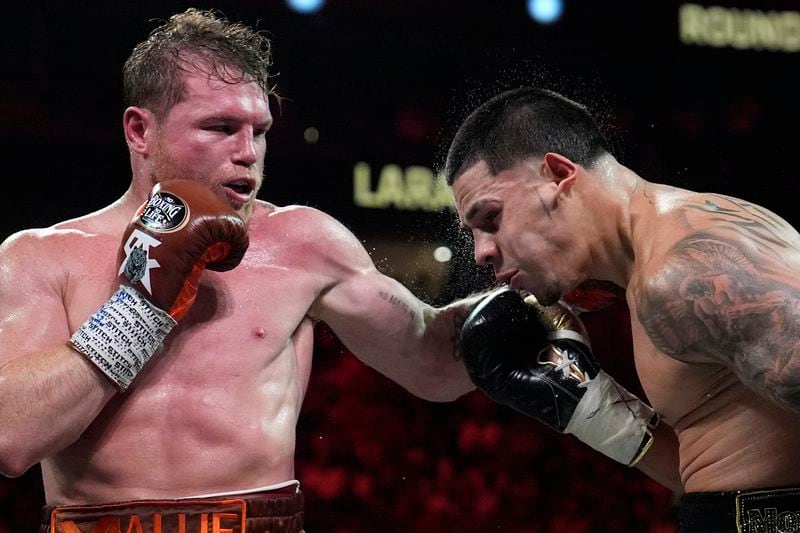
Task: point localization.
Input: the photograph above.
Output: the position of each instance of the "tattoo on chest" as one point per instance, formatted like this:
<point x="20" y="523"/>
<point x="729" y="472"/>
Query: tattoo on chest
<point x="711" y="299"/>
<point x="397" y="302"/>
<point x="765" y="229"/>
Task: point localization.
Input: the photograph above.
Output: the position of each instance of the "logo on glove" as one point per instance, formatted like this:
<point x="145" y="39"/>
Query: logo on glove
<point x="164" y="212"/>
<point x="564" y="362"/>
<point x="137" y="263"/>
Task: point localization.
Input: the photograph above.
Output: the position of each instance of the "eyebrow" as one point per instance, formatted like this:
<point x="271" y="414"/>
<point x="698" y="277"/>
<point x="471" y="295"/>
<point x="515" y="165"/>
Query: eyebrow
<point x="471" y="212"/>
<point x="232" y="118"/>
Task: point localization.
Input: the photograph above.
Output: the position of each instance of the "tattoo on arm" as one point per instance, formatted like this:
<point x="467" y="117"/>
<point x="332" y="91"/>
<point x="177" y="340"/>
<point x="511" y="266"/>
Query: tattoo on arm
<point x="712" y="299"/>
<point x="397" y="302"/>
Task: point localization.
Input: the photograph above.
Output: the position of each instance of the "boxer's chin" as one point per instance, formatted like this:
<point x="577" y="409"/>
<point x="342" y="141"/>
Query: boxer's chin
<point x="549" y="295"/>
<point x="246" y="211"/>
<point x="546" y="292"/>
<point x="548" y="299"/>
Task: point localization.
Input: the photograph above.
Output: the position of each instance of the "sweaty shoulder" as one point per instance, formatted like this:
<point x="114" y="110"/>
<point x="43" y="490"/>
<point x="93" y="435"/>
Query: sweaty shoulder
<point x="34" y="268"/>
<point x="675" y="218"/>
<point x="742" y="221"/>
<point x="716" y="260"/>
<point x="45" y="251"/>
<point x="309" y="234"/>
<point x="39" y="244"/>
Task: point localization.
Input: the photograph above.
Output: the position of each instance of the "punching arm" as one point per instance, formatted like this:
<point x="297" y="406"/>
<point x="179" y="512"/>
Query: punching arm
<point x="538" y="361"/>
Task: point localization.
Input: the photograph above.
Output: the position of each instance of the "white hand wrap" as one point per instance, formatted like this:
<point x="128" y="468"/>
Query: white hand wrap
<point x="612" y="421"/>
<point x="122" y="335"/>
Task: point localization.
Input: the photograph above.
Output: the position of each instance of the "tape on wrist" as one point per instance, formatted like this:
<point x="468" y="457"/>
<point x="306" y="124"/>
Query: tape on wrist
<point x="644" y="448"/>
<point x="122" y="335"/>
<point x="612" y="421"/>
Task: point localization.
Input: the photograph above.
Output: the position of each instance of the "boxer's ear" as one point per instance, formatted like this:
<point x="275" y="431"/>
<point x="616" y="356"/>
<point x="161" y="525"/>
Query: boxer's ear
<point x="560" y="170"/>
<point x="135" y="124"/>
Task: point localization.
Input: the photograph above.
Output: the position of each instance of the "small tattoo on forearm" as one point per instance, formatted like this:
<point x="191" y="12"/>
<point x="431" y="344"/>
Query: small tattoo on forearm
<point x="397" y="302"/>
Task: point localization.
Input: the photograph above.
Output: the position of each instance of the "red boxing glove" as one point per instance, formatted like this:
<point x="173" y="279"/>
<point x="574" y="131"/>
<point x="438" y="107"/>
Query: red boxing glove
<point x="181" y="230"/>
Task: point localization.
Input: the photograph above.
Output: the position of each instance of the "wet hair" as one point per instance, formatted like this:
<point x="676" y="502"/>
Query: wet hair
<point x="230" y="52"/>
<point x="523" y="123"/>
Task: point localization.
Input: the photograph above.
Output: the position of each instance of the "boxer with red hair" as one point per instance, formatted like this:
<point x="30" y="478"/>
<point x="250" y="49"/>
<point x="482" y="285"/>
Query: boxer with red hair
<point x="155" y="353"/>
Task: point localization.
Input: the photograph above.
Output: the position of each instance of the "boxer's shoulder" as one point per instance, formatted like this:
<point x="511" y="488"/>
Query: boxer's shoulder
<point x="308" y="238"/>
<point x="268" y="213"/>
<point x="680" y="226"/>
<point x="52" y="252"/>
<point x="298" y="223"/>
<point x="40" y="243"/>
<point x="33" y="260"/>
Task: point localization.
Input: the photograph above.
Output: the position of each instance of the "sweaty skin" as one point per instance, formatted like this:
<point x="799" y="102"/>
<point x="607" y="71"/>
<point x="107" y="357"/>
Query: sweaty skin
<point x="216" y="408"/>
<point x="713" y="290"/>
<point x="221" y="401"/>
<point x="717" y="351"/>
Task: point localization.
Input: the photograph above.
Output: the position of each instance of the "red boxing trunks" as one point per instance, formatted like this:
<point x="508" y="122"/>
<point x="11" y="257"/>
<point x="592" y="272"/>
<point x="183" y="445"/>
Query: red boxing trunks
<point x="274" y="511"/>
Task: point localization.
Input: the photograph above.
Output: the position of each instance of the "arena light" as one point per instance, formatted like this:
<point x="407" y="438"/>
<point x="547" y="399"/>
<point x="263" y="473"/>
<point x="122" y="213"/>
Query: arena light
<point x="442" y="254"/>
<point x="305" y="7"/>
<point x="545" y="11"/>
<point x="311" y="135"/>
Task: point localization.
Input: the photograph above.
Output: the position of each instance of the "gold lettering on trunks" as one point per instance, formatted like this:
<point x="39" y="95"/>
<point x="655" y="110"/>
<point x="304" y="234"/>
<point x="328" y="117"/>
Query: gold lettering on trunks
<point x="134" y="522"/>
<point x="216" y="526"/>
<point x="153" y="517"/>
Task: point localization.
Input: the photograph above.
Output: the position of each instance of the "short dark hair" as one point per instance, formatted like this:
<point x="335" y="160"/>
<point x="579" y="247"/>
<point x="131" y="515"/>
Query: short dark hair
<point x="522" y="123"/>
<point x="232" y="52"/>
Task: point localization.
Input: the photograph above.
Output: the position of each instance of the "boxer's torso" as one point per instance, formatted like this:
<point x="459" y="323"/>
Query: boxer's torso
<point x="216" y="409"/>
<point x="730" y="437"/>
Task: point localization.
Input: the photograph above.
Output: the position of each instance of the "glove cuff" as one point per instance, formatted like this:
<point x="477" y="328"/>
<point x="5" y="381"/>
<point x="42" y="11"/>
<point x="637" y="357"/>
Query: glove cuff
<point x="613" y="421"/>
<point x="122" y="335"/>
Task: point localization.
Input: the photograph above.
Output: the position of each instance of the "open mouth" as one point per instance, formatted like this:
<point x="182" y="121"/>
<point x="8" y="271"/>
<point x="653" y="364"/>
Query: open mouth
<point x="242" y="186"/>
<point x="239" y="191"/>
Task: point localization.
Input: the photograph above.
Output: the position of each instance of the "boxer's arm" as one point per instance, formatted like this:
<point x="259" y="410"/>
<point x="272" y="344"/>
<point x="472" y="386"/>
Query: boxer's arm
<point x="49" y="393"/>
<point x="385" y="325"/>
<point x="718" y="299"/>
<point x="389" y="329"/>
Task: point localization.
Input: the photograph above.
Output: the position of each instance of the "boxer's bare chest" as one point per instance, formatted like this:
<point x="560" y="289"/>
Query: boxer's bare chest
<point x="728" y="434"/>
<point x="230" y="376"/>
<point x="249" y="313"/>
<point x="678" y="390"/>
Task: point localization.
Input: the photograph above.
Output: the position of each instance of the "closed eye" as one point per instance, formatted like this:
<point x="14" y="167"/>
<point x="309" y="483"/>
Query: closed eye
<point x="489" y="220"/>
<point x="222" y="128"/>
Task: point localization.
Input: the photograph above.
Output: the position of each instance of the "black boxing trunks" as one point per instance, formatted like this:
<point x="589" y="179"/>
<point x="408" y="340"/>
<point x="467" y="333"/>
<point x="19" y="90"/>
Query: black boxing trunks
<point x="273" y="511"/>
<point x="741" y="511"/>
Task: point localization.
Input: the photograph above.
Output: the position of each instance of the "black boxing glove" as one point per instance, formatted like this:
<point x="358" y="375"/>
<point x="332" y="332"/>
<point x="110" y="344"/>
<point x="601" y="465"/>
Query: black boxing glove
<point x="537" y="360"/>
<point x="181" y="230"/>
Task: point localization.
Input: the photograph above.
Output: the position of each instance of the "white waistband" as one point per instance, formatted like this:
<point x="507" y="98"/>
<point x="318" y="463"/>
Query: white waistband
<point x="267" y="488"/>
